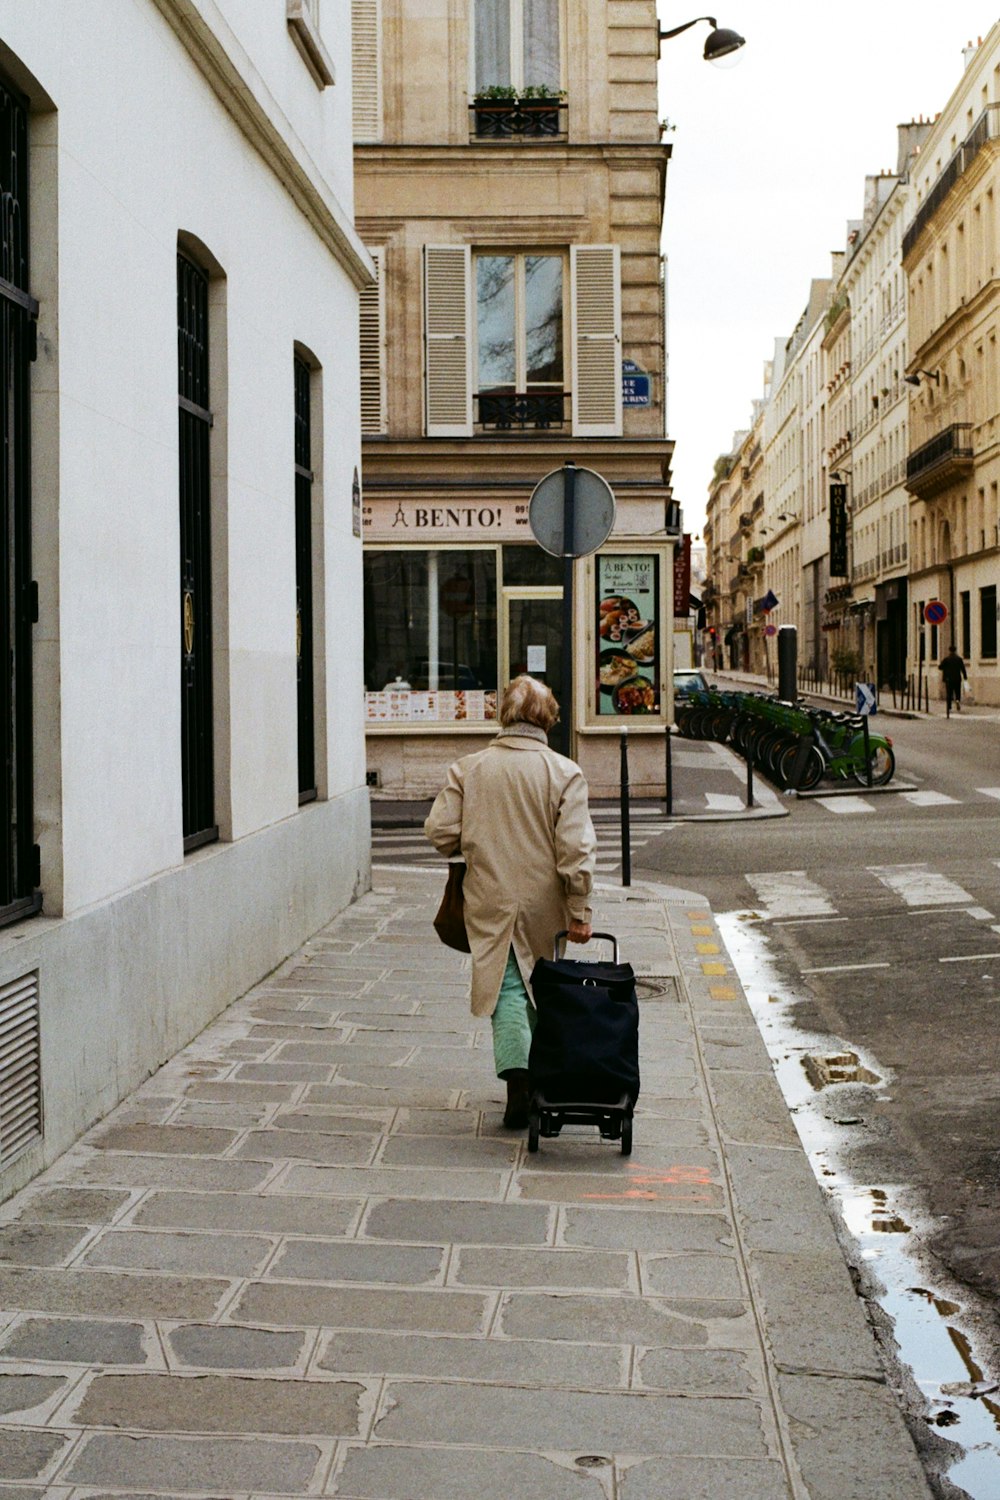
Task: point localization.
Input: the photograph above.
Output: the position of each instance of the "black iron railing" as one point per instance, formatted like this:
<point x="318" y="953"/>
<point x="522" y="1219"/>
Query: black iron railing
<point x="505" y="119"/>
<point x="19" y="872"/>
<point x="986" y="128"/>
<point x="950" y="445"/>
<point x="531" y="411"/>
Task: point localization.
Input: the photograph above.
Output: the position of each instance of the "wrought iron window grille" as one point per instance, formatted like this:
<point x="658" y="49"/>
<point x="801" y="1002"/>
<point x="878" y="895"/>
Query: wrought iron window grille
<point x="532" y="411"/>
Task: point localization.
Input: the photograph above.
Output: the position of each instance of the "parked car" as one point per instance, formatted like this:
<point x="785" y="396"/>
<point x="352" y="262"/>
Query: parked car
<point x="688" y="680"/>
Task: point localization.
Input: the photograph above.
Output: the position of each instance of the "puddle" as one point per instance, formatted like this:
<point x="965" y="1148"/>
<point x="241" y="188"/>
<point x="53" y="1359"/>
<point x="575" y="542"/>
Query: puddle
<point x="963" y="1401"/>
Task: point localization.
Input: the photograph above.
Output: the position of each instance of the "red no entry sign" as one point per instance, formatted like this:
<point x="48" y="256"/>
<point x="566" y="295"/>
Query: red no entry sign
<point x="935" y="613"/>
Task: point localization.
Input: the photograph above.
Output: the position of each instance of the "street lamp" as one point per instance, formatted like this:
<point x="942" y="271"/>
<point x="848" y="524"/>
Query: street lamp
<point x="914" y="379"/>
<point x="720" y="45"/>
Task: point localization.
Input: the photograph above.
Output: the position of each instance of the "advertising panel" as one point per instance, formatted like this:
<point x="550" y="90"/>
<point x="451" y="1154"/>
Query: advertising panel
<point x="628" y="634"/>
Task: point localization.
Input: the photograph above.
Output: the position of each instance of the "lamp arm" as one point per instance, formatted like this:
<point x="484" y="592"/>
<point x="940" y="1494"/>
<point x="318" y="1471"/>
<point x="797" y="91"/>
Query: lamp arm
<point x="666" y="35"/>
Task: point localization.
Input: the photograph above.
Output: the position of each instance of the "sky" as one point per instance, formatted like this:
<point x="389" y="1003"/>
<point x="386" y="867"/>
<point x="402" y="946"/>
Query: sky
<point x="769" y="161"/>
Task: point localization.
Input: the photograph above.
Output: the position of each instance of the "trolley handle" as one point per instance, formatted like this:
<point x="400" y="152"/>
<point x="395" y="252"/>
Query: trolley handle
<point x="606" y="937"/>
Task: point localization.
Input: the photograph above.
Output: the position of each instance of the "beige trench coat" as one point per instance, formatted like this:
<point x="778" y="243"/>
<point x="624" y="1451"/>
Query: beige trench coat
<point x="518" y="813"/>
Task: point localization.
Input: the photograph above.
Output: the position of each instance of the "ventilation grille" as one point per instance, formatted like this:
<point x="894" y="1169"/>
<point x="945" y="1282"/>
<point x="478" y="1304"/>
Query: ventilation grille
<point x="20" y="1066"/>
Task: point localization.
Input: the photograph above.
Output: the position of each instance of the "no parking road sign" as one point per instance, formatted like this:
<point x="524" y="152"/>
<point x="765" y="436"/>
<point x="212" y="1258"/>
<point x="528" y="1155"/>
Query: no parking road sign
<point x="864" y="698"/>
<point x="935" y="613"/>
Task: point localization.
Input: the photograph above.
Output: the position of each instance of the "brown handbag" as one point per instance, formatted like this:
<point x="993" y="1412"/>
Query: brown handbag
<point x="449" y="924"/>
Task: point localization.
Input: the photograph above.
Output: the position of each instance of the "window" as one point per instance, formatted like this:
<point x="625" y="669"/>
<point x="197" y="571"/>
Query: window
<point x="19" y="874"/>
<point x="197" y="742"/>
<point x="965" y="610"/>
<point x="988" y="621"/>
<point x="372" y="331"/>
<point x="517" y="44"/>
<point x="304" y="631"/>
<point x="500" y="325"/>
<point x="431" y="645"/>
<point x="519" y="328"/>
<point x="366" y="69"/>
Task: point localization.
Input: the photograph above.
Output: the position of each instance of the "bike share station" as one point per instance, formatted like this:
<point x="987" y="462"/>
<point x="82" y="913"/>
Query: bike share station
<point x="804" y="751"/>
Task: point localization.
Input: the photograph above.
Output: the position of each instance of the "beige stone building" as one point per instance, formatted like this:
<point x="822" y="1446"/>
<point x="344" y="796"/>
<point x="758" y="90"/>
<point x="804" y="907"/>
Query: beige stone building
<point x="509" y="185"/>
<point x="951" y="257"/>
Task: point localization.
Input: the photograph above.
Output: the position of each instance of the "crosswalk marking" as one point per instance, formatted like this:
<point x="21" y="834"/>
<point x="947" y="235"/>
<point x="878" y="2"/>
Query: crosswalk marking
<point x="723" y="802"/>
<point x="927" y="799"/>
<point x="919" y="886"/>
<point x="789" y="893"/>
<point x="845" y="806"/>
<point x="989" y="791"/>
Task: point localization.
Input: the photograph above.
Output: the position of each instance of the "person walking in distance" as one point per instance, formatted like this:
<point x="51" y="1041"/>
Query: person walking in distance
<point x="952" y="669"/>
<point x="518" y="813"/>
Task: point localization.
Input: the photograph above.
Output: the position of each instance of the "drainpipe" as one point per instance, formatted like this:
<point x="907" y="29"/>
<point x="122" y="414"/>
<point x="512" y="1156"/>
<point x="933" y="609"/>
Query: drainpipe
<point x="951" y="602"/>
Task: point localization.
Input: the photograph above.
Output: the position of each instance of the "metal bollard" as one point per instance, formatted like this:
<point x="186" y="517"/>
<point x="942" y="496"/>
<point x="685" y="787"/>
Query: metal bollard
<point x="868" y="750"/>
<point x="749" y="779"/>
<point x="626" y="829"/>
<point x="669" y="777"/>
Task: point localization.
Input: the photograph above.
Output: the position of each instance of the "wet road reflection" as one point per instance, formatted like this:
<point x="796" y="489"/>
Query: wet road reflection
<point x="829" y="1093"/>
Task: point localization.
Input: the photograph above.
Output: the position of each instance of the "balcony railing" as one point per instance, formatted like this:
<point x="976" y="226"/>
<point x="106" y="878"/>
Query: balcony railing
<point x="505" y="119"/>
<point x="513" y="411"/>
<point x="986" y="128"/>
<point x="937" y="464"/>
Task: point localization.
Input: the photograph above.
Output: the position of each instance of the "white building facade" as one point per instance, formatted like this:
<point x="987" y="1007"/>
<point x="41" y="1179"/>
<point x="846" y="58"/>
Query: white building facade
<point x="186" y="802"/>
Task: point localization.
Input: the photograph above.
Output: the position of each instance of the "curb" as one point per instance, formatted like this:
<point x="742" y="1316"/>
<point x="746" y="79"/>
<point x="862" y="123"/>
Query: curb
<point x="825" y="1370"/>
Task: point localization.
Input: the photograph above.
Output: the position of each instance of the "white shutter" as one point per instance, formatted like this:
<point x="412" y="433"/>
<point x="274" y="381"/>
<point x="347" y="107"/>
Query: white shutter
<point x="597" y="340"/>
<point x="447" y="277"/>
<point x="20" y="1066"/>
<point x="366" y="69"/>
<point x="372" y="326"/>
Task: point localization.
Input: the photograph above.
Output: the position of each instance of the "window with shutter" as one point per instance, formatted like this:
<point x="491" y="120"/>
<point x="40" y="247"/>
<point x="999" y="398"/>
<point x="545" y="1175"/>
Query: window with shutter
<point x="597" y="363"/>
<point x="366" y="69"/>
<point x="372" y="323"/>
<point x="446" y="339"/>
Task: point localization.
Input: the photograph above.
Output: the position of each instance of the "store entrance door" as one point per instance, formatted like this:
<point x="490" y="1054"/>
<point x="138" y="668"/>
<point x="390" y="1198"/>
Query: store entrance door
<point x="533" y="638"/>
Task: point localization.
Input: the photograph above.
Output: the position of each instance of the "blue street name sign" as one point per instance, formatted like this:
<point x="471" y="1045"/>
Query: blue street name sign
<point x="864" y="698"/>
<point x="635" y="385"/>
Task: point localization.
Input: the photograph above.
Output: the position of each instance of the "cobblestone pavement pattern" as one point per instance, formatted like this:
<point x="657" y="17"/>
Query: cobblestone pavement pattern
<point x="306" y="1259"/>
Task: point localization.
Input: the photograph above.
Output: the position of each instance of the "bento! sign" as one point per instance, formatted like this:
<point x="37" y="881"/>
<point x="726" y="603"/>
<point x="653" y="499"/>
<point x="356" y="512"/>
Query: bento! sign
<point x="412" y="520"/>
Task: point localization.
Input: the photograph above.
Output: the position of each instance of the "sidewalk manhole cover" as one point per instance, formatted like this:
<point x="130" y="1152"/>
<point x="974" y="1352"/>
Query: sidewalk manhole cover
<point x="591" y="1461"/>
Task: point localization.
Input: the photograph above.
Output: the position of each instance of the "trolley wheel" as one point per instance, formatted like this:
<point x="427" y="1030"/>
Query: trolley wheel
<point x="627" y="1135"/>
<point x="533" y="1124"/>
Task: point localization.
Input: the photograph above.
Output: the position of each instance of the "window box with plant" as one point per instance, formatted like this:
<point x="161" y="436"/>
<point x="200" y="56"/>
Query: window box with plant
<point x="502" y="111"/>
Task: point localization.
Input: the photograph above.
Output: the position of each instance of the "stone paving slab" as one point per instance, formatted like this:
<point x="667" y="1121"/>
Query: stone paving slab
<point x="306" y="1258"/>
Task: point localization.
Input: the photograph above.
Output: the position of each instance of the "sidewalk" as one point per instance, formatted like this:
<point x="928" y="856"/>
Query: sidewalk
<point x="306" y="1259"/>
<point x="937" y="706"/>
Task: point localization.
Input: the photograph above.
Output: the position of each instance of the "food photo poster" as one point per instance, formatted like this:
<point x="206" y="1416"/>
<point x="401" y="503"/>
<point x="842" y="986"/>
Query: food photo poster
<point x="628" y="634"/>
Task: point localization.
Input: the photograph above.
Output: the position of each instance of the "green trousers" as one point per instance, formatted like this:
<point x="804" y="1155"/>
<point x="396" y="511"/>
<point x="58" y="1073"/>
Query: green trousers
<point x="513" y="1021"/>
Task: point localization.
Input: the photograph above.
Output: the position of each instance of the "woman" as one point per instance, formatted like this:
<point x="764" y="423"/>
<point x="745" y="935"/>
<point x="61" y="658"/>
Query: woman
<point x="518" y="813"/>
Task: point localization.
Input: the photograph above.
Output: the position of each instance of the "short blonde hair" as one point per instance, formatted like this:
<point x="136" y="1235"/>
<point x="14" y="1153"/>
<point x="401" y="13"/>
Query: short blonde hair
<point x="528" y="701"/>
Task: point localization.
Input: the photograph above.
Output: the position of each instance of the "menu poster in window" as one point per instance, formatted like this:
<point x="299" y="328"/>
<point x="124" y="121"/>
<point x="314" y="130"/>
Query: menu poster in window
<point x="628" y="634"/>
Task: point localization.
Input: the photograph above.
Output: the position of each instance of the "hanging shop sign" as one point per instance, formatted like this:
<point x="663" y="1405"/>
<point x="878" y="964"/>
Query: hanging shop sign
<point x="628" y="635"/>
<point x="682" y="577"/>
<point x="838" y="530"/>
<point x="415" y="521"/>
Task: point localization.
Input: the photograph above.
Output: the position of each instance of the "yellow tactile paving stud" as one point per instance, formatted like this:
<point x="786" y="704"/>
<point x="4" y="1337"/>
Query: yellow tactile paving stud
<point x="721" y="992"/>
<point x="707" y="948"/>
<point x="699" y="916"/>
<point x="702" y="929"/>
<point x="713" y="968"/>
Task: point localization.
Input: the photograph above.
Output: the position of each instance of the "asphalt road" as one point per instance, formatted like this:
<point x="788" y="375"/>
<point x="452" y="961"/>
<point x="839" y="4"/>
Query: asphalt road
<point x="880" y="915"/>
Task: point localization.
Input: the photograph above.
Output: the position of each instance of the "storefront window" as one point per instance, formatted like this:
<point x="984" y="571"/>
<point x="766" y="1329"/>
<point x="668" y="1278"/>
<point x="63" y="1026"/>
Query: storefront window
<point x="530" y="567"/>
<point x="430" y="622"/>
<point x="628" y="634"/>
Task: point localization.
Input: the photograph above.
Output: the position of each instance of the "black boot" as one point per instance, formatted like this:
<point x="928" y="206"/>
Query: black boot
<point x="516" y="1114"/>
